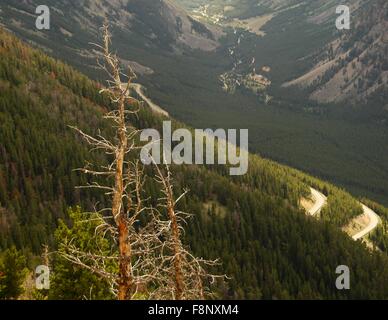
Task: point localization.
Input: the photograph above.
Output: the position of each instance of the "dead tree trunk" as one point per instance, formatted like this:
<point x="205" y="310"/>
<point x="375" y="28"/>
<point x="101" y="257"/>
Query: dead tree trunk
<point x="125" y="270"/>
<point x="179" y="281"/>
<point x="150" y="259"/>
<point x="125" y="279"/>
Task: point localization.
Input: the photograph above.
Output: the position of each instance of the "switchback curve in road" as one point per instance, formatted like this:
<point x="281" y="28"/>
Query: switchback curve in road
<point x="320" y="201"/>
<point x="374" y="220"/>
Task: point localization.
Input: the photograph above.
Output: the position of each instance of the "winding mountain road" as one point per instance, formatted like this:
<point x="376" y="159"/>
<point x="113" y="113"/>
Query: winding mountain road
<point x="139" y="90"/>
<point x="320" y="201"/>
<point x="373" y="223"/>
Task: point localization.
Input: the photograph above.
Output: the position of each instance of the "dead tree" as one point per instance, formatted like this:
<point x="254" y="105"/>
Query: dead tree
<point x="127" y="181"/>
<point x="182" y="275"/>
<point x="150" y="257"/>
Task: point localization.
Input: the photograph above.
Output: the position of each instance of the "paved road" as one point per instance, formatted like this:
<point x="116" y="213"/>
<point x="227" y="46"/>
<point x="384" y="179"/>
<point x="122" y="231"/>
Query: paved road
<point x="320" y="201"/>
<point x="374" y="221"/>
<point x="139" y="90"/>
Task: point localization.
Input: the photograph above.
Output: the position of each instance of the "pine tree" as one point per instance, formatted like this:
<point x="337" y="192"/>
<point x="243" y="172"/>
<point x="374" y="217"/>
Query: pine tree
<point x="71" y="281"/>
<point x="13" y="272"/>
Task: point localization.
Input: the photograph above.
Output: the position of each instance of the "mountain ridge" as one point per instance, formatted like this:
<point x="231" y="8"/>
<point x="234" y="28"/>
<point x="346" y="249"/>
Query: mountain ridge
<point x="256" y="217"/>
<point x="147" y="25"/>
<point x="354" y="67"/>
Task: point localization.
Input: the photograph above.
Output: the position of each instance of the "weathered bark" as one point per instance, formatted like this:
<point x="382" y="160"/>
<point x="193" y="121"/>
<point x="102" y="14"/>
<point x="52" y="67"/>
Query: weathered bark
<point x="152" y="259"/>
<point x="125" y="279"/>
<point x="179" y="281"/>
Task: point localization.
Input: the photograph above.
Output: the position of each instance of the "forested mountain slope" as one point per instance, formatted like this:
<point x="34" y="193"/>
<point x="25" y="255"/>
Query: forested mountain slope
<point x="354" y="67"/>
<point x="160" y="26"/>
<point x="186" y="82"/>
<point x="266" y="243"/>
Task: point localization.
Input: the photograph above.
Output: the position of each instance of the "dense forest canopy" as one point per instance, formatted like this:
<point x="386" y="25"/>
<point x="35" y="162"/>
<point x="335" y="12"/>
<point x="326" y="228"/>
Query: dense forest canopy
<point x="254" y="224"/>
<point x="343" y="144"/>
